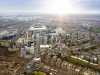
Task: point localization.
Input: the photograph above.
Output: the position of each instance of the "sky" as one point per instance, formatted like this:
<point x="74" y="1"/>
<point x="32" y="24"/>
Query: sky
<point x="47" y="6"/>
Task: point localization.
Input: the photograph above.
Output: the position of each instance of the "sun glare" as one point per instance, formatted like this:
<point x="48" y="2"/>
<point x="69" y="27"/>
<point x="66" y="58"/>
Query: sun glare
<point x="59" y="7"/>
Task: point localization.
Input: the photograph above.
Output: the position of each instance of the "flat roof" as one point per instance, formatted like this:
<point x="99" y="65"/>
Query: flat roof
<point x="7" y="33"/>
<point x="36" y="27"/>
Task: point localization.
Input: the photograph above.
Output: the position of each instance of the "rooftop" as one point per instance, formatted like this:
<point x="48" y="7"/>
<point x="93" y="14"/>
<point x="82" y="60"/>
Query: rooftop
<point x="7" y="33"/>
<point x="37" y="27"/>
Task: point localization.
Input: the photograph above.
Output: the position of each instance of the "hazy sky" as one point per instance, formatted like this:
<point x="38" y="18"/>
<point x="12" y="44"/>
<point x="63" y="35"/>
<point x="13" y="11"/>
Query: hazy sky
<point x="41" y="5"/>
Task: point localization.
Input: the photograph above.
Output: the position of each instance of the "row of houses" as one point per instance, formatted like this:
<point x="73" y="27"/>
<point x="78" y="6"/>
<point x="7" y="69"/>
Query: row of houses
<point x="64" y="65"/>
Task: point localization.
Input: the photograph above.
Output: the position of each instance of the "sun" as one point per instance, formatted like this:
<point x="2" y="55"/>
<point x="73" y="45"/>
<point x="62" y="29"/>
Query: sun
<point x="59" y="7"/>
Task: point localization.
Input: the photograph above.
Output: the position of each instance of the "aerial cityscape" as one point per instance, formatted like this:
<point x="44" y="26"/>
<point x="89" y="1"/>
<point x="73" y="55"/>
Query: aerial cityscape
<point x="52" y="42"/>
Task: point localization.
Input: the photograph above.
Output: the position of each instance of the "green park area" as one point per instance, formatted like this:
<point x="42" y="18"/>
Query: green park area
<point x="82" y="63"/>
<point x="97" y="30"/>
<point x="38" y="73"/>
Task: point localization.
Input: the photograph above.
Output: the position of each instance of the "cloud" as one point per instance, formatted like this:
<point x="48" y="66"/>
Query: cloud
<point x="90" y="4"/>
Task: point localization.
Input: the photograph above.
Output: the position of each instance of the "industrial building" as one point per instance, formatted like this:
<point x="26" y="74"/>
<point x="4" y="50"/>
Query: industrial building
<point x="8" y="34"/>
